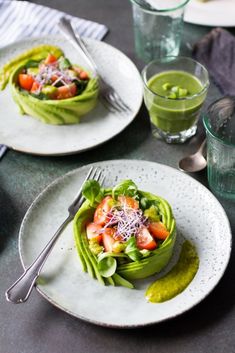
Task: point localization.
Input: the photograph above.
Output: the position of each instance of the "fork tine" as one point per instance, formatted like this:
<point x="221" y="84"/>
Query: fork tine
<point x="102" y="179"/>
<point x="115" y="98"/>
<point x="120" y="101"/>
<point x="110" y="104"/>
<point x="78" y="195"/>
<point x="96" y="175"/>
<point x="114" y="102"/>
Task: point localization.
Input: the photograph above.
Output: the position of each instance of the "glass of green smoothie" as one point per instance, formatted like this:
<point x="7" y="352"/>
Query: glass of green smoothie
<point x="174" y="91"/>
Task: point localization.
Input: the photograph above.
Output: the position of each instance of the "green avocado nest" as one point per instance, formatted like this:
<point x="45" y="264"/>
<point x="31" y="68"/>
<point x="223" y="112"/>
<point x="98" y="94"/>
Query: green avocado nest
<point x="45" y="85"/>
<point x="113" y="251"/>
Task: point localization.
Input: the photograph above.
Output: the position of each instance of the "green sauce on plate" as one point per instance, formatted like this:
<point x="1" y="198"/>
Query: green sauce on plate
<point x="179" y="277"/>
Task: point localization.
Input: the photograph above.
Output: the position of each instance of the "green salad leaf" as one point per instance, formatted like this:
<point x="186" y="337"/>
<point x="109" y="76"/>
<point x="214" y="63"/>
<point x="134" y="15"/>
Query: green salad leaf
<point x="107" y="266"/>
<point x="91" y="190"/>
<point x="126" y="187"/>
<point x="132" y="251"/>
<point x="152" y="213"/>
<point x="146" y="202"/>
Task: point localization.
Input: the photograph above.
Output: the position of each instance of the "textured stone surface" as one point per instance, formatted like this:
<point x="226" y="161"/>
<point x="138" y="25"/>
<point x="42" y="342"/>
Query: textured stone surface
<point x="36" y="326"/>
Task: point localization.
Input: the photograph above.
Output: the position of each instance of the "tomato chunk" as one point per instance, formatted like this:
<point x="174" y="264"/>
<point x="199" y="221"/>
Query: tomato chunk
<point x="128" y="201"/>
<point x="68" y="91"/>
<point x="50" y="59"/>
<point x="83" y="75"/>
<point x="93" y="231"/>
<point x="145" y="240"/>
<point x="102" y="210"/>
<point x="35" y="87"/>
<point x="108" y="239"/>
<point x="26" y="81"/>
<point x="158" y="230"/>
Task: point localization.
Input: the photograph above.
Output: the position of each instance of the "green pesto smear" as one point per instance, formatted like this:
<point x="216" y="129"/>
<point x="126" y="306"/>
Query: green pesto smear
<point x="175" y="281"/>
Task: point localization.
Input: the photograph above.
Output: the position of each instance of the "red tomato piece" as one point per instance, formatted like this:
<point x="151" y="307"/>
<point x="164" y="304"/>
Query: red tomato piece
<point x="54" y="78"/>
<point x="93" y="231"/>
<point x="50" y="59"/>
<point x="145" y="240"/>
<point x="108" y="239"/>
<point x="158" y="230"/>
<point x="35" y="87"/>
<point x="64" y="92"/>
<point x="26" y="81"/>
<point x="83" y="75"/>
<point x="128" y="201"/>
<point x="102" y="210"/>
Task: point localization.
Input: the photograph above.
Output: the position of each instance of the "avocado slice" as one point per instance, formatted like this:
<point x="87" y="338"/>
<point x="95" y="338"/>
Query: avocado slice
<point x="49" y="91"/>
<point x="33" y="71"/>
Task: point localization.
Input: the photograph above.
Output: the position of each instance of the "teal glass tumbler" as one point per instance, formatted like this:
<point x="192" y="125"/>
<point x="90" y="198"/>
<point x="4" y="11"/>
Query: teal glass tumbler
<point x="219" y="122"/>
<point x="158" y="27"/>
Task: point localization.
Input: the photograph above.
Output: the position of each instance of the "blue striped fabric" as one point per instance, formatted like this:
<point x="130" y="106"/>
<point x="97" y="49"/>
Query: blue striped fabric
<point x="22" y="19"/>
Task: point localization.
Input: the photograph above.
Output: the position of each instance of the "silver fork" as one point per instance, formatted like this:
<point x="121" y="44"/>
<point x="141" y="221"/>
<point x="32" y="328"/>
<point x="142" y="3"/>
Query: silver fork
<point x="20" y="291"/>
<point x="108" y="95"/>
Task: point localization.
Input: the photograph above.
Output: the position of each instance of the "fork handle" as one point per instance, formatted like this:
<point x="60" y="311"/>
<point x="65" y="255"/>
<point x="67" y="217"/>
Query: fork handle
<point x="20" y="291"/>
<point x="67" y="29"/>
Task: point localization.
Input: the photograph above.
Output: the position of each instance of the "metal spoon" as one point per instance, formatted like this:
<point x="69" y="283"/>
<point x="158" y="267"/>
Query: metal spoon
<point x="195" y="162"/>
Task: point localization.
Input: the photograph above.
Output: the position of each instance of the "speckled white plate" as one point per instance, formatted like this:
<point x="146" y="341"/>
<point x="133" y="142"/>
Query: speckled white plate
<point x="26" y="134"/>
<point x="200" y="218"/>
<point x="211" y="13"/>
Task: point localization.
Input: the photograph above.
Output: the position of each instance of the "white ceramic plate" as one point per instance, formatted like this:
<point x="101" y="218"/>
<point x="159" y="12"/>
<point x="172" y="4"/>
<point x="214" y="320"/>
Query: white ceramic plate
<point x="212" y="13"/>
<point x="200" y="219"/>
<point x="25" y="134"/>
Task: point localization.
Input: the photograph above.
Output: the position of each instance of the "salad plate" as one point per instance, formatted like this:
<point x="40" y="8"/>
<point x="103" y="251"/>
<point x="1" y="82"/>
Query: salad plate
<point x="24" y="133"/>
<point x="211" y="13"/>
<point x="199" y="218"/>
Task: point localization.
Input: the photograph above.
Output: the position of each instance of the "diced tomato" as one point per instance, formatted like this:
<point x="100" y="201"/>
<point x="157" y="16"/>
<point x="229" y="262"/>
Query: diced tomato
<point x="145" y="240"/>
<point x="93" y="231"/>
<point x="35" y="87"/>
<point x="108" y="239"/>
<point x="128" y="201"/>
<point x="158" y="230"/>
<point x="68" y="91"/>
<point x="50" y="59"/>
<point x="102" y="210"/>
<point x="83" y="75"/>
<point x="54" y="78"/>
<point x="26" y="81"/>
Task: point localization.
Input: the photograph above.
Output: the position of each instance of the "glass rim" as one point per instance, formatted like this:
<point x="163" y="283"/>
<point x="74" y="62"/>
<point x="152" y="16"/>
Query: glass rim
<point x="184" y="2"/>
<point x="210" y="131"/>
<point x="204" y="89"/>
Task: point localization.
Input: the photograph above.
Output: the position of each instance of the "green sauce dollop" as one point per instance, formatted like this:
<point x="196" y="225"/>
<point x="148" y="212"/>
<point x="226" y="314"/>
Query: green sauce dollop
<point x="177" y="279"/>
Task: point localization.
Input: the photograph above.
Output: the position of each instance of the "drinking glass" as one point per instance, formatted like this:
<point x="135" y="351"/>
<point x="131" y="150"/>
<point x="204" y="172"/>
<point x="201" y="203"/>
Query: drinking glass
<point x="174" y="117"/>
<point x="219" y="122"/>
<point x="158" y="27"/>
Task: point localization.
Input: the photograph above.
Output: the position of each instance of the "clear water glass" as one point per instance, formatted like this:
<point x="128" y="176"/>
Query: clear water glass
<point x="219" y="122"/>
<point x="158" y="27"/>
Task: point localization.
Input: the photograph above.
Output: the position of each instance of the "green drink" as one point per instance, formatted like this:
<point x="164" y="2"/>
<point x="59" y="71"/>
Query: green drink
<point x="174" y="94"/>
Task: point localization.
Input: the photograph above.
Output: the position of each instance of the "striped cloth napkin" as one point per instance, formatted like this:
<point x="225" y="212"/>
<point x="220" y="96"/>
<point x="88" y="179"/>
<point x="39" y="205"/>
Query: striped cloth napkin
<point x="21" y="19"/>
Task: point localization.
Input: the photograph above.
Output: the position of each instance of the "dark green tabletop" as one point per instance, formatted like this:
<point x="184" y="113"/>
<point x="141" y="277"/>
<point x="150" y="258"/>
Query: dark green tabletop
<point x="37" y="326"/>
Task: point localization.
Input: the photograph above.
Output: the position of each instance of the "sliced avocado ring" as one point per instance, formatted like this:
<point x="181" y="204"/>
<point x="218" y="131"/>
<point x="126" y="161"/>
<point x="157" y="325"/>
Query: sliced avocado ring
<point x="146" y="267"/>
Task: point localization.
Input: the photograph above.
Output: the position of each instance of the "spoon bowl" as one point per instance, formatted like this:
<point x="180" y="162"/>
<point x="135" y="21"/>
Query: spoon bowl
<point x="195" y="162"/>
